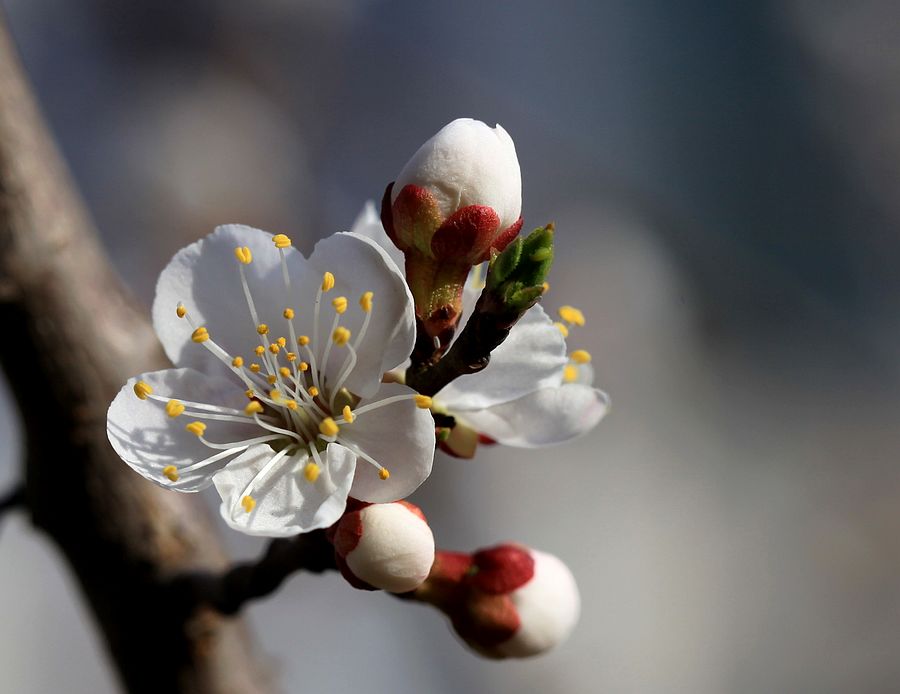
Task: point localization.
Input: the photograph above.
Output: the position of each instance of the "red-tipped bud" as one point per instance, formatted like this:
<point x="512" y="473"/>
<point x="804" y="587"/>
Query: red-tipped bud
<point x="384" y="547"/>
<point x="454" y="203"/>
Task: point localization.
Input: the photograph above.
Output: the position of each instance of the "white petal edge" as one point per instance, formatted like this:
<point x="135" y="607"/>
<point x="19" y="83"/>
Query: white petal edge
<point x="286" y="502"/>
<point x="148" y="440"/>
<point x="544" y="418"/>
<point x="368" y="224"/>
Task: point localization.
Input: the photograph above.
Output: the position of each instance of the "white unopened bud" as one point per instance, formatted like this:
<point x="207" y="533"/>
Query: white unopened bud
<point x="387" y="546"/>
<point x="468" y="163"/>
<point x="548" y="606"/>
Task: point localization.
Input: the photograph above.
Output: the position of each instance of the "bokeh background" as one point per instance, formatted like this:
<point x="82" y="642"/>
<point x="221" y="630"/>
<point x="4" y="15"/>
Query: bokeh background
<point x="724" y="178"/>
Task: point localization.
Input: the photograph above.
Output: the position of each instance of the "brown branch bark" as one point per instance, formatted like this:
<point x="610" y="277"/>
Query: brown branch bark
<point x="71" y="338"/>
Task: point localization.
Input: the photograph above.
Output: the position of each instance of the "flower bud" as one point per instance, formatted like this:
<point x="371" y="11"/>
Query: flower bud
<point x="458" y="200"/>
<point x="384" y="546"/>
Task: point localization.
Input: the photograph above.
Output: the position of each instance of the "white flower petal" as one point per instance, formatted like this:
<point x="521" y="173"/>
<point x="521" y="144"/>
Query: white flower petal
<point x="286" y="503"/>
<point x="542" y="418"/>
<point x="400" y="436"/>
<point x="205" y="276"/>
<point x="368" y="224"/>
<point x="530" y="359"/>
<point x="360" y="265"/>
<point x="149" y="440"/>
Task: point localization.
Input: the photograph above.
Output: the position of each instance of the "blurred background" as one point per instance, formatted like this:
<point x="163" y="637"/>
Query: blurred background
<point x="724" y="180"/>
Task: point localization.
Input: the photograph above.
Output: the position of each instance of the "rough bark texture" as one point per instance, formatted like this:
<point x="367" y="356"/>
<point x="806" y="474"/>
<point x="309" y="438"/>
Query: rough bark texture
<point x="71" y="337"/>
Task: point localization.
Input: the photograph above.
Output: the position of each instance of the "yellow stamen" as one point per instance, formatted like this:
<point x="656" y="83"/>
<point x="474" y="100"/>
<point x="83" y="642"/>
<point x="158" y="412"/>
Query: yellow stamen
<point x="201" y="334"/>
<point x="291" y="404"/>
<point x="142" y="389"/>
<point x="250" y="394"/>
<point x="271" y="378"/>
<point x="248" y="503"/>
<point x="275" y="395"/>
<point x="254" y="368"/>
<point x="180" y="311"/>
<point x="282" y="341"/>
<point x="571" y="315"/>
<point x="254" y="407"/>
<point x="339" y="303"/>
<point x="562" y="328"/>
<point x="581" y="356"/>
<point x="284" y="371"/>
<point x="545" y="287"/>
<point x="348" y="414"/>
<point x="174" y="408"/>
<point x="365" y="301"/>
<point x="237" y="362"/>
<point x="341" y="336"/>
<point x="171" y="472"/>
<point x="313" y="391"/>
<point x="262" y="329"/>
<point x="311" y="472"/>
<point x="274" y="347"/>
<point x="303" y="340"/>
<point x="288" y="313"/>
<point x="329" y="427"/>
<point x="383" y="473"/>
<point x="259" y="350"/>
<point x="303" y="366"/>
<point x="196" y="428"/>
<point x="281" y="241"/>
<point x="243" y="254"/>
<point x="327" y="282"/>
<point x="291" y="356"/>
<point x="423" y="402"/>
<point x="570" y="373"/>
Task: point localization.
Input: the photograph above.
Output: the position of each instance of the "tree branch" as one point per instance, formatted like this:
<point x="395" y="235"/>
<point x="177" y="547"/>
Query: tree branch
<point x="72" y="338"/>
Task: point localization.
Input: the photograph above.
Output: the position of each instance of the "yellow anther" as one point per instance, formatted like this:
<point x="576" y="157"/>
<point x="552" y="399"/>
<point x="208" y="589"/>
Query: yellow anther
<point x="313" y="391"/>
<point x="303" y="340"/>
<point x="348" y="414"/>
<point x="262" y="329"/>
<point x="303" y="366"/>
<point x="311" y="472"/>
<point x="254" y="368"/>
<point x="284" y="371"/>
<point x="291" y="356"/>
<point x="341" y="336"/>
<point x="327" y="282"/>
<point x="365" y="301"/>
<point x="142" y="389"/>
<point x="423" y="402"/>
<point x="339" y="303"/>
<point x="196" y="428"/>
<point x="201" y="334"/>
<point x="581" y="356"/>
<point x="282" y="341"/>
<point x="174" y="408"/>
<point x="328" y="427"/>
<point x="271" y="378"/>
<point x="248" y="503"/>
<point x="237" y="362"/>
<point x="291" y="404"/>
<point x="243" y="254"/>
<point x="288" y="313"/>
<point x="259" y="350"/>
<point x="275" y="395"/>
<point x="274" y="347"/>
<point x="570" y="374"/>
<point x="250" y="394"/>
<point x="281" y="241"/>
<point x="545" y="287"/>
<point x="171" y="472"/>
<point x="384" y="473"/>
<point x="562" y="328"/>
<point x="571" y="315"/>
<point x="254" y="407"/>
<point x="180" y="311"/>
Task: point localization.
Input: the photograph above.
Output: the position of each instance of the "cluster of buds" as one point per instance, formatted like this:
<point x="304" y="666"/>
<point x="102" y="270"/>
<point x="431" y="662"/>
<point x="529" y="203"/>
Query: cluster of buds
<point x="455" y="204"/>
